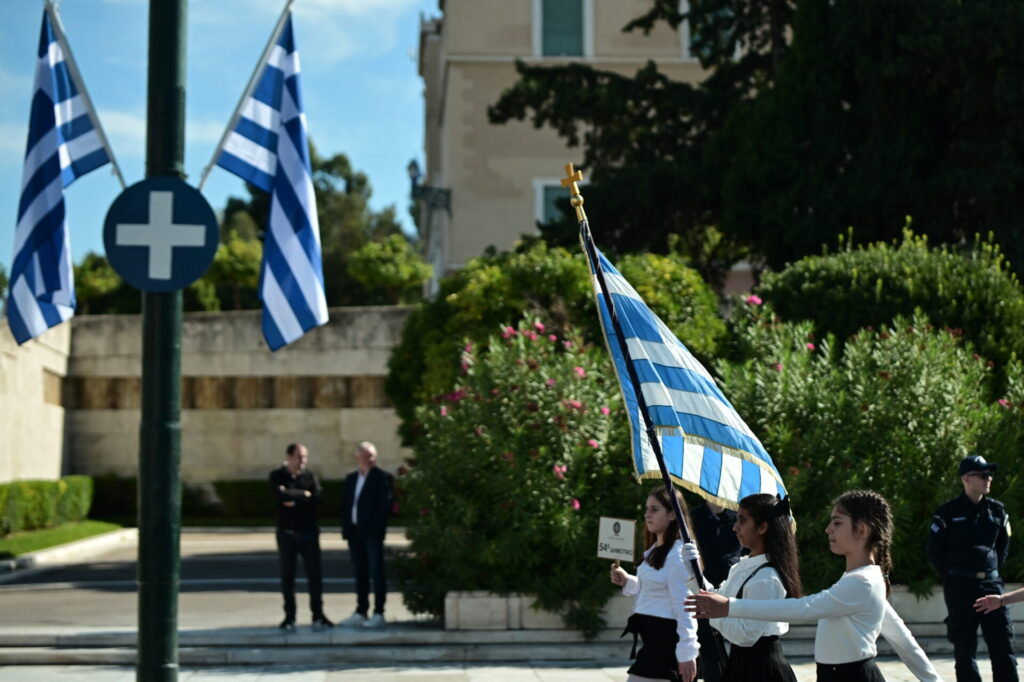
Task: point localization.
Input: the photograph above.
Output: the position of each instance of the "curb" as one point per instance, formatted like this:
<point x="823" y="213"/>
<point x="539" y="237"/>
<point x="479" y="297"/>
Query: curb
<point x="77" y="550"/>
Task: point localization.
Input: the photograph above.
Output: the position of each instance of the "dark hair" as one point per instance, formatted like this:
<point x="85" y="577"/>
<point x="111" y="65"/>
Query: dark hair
<point x="292" y="448"/>
<point x="870" y="508"/>
<point x="656" y="559"/>
<point x="779" y="541"/>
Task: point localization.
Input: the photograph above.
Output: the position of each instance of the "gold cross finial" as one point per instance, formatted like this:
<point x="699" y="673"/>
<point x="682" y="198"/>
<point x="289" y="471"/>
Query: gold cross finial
<point x="576" y="199"/>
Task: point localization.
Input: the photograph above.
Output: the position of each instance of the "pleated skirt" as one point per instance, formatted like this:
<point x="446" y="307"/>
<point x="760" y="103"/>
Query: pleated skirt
<point x="764" y="661"/>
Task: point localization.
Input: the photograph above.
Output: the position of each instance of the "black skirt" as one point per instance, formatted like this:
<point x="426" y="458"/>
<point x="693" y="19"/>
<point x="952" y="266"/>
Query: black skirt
<point x="657" y="655"/>
<point x="858" y="671"/>
<point x="763" y="661"/>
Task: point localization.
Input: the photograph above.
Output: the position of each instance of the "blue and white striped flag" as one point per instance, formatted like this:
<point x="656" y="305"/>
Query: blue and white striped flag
<point x="707" y="447"/>
<point x="64" y="143"/>
<point x="267" y="146"/>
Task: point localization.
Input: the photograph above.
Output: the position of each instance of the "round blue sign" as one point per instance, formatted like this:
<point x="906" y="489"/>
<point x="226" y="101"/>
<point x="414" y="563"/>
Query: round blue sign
<point x="160" y="234"/>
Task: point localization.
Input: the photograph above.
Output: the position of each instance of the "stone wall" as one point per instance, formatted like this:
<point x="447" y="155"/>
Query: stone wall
<point x="32" y="433"/>
<point x="241" y="404"/>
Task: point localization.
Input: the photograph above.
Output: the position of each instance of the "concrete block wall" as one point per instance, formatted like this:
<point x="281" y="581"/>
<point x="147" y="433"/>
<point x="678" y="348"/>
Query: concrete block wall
<point x="241" y="404"/>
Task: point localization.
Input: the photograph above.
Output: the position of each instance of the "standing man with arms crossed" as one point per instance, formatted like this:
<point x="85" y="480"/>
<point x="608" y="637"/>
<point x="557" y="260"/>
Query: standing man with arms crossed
<point x="968" y="540"/>
<point x="365" y="507"/>
<point x="296" y="493"/>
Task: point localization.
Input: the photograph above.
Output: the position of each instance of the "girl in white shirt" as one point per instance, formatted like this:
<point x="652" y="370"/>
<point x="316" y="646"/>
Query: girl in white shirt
<point x="854" y="611"/>
<point x="669" y="634"/>
<point x="770" y="571"/>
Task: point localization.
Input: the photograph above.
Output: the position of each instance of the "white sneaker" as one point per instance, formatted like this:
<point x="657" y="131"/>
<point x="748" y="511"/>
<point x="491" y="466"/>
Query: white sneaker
<point x="353" y="621"/>
<point x="376" y="621"/>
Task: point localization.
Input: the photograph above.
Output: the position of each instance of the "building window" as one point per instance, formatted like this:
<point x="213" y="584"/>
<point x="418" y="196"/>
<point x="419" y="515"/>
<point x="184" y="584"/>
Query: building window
<point x="563" y="27"/>
<point x="546" y="192"/>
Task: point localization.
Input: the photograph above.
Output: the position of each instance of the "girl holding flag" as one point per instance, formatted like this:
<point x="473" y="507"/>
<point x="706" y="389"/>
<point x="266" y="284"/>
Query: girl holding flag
<point x="669" y="634"/>
<point x="854" y="611"/>
<point x="770" y="571"/>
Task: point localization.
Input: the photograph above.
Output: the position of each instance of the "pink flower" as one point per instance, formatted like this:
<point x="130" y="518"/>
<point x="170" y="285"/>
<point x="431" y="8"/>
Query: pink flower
<point x="567" y="344"/>
<point x="551" y="382"/>
<point x="444" y="411"/>
<point x="574" y="404"/>
<point x="580" y="372"/>
<point x="1004" y="402"/>
<point x="559" y="471"/>
<point x="508" y="333"/>
<point x="552" y="338"/>
<point x="538" y="326"/>
<point x="605" y="411"/>
<point x="777" y="366"/>
<point x="810" y="346"/>
<point x="530" y="335"/>
<point x="753" y="299"/>
<point x="575" y="504"/>
<point x="468" y="348"/>
<point x="593" y="443"/>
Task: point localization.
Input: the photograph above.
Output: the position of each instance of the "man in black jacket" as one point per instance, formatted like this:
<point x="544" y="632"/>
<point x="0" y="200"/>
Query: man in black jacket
<point x="296" y="493"/>
<point x="968" y="540"/>
<point x="365" y="507"/>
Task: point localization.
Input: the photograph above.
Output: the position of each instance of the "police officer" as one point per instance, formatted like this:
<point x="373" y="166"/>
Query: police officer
<point x="968" y="540"/>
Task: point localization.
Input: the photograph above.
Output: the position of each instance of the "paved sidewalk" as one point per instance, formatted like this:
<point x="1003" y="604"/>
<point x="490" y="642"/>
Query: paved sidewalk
<point x="894" y="671"/>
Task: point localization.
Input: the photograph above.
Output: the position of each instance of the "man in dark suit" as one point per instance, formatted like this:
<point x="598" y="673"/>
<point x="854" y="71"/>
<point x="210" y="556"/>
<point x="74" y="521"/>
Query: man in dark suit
<point x="365" y="507"/>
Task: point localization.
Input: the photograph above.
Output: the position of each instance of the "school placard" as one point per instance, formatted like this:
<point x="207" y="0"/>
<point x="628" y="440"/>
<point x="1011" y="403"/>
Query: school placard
<point x="616" y="539"/>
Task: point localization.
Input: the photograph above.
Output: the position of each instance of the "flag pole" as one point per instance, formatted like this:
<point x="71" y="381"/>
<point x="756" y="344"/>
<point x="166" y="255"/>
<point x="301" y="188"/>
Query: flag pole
<point x="247" y="92"/>
<point x="711" y="673"/>
<point x="69" y="59"/>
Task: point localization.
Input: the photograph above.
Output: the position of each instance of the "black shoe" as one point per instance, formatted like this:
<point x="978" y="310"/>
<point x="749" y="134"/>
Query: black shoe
<point x="322" y="621"/>
<point x="287" y="624"/>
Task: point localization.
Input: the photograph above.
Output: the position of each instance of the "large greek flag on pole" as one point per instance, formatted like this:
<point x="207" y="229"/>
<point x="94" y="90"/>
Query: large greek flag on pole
<point x="64" y="143"/>
<point x="266" y="146"/>
<point x="707" y="447"/>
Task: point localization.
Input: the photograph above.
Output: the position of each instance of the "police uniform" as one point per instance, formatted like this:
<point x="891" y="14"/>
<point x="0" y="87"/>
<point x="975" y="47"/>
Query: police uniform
<point x="967" y="543"/>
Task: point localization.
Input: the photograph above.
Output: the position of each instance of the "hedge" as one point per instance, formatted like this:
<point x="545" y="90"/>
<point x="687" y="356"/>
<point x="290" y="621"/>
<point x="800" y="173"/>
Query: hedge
<point x="31" y="505"/>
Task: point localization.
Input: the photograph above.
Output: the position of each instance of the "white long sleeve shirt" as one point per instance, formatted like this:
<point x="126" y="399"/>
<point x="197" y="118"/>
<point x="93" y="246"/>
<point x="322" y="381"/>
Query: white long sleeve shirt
<point x="660" y="592"/>
<point x="764" y="585"/>
<point x="850" y="615"/>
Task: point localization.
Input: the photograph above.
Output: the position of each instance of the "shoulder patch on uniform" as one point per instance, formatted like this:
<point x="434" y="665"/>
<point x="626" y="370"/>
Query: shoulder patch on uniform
<point x="959" y="518"/>
<point x="936" y="528"/>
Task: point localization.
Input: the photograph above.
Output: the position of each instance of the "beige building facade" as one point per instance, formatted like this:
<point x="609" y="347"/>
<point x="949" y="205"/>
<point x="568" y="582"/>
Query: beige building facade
<point x="504" y="178"/>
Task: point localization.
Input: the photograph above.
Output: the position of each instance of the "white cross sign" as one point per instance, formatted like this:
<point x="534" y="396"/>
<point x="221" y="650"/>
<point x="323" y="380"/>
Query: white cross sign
<point x="161" y="234"/>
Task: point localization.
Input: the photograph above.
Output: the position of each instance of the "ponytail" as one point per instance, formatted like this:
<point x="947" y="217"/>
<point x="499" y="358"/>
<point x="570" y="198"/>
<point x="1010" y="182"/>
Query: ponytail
<point x="871" y="509"/>
<point x="779" y="541"/>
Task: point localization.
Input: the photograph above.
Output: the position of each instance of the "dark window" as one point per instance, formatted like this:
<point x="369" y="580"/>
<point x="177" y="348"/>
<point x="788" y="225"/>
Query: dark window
<point x="550" y="210"/>
<point x="562" y="28"/>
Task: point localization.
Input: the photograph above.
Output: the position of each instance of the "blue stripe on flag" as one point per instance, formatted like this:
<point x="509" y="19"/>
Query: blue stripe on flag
<point x="711" y="470"/>
<point x="257" y="133"/>
<point x="750" y="483"/>
<point x="674" y="377"/>
<point x="63" y="85"/>
<point x="76" y="127"/>
<point x="246" y="171"/>
<point x="268" y="90"/>
<point x="84" y="164"/>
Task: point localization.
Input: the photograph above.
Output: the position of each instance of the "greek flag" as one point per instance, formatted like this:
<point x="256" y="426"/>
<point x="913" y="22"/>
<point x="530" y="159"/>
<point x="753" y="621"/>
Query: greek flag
<point x="65" y="142"/>
<point x="707" y="447"/>
<point x="266" y="146"/>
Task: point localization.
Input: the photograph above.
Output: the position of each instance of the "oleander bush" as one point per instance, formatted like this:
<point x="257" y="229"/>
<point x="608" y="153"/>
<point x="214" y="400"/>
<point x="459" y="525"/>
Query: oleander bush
<point x="514" y="466"/>
<point x="970" y="289"/>
<point x="32" y="505"/>
<point x="893" y="409"/>
<point x="535" y="281"/>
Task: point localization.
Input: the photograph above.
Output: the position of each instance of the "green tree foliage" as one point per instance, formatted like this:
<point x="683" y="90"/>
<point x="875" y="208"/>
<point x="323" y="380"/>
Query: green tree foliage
<point x="235" y="271"/>
<point x="390" y="270"/>
<point x="514" y="468"/>
<point x="874" y="110"/>
<point x="346" y="222"/>
<point x="894" y="410"/>
<point x="101" y="291"/>
<point x="551" y="284"/>
<point x="972" y="292"/>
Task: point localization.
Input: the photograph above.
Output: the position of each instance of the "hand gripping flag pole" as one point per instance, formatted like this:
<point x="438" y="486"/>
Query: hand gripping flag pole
<point x="682" y="425"/>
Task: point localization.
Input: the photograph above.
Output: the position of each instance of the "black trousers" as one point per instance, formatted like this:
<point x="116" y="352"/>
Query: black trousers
<point x="858" y="671"/>
<point x="290" y="545"/>
<point x="367" y="552"/>
<point x="962" y="629"/>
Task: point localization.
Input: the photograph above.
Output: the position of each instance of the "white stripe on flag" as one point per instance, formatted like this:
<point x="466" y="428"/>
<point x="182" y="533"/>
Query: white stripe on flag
<point x="42" y="204"/>
<point x="666" y="354"/>
<point x="294" y="255"/>
<point x="768" y="483"/>
<point x="693" y="403"/>
<point x="69" y="110"/>
<point x="693" y="460"/>
<point x="731" y="477"/>
<point x="253" y="154"/>
<point x="276" y="305"/>
<point x="80" y="147"/>
<point x="28" y="307"/>
<point x="261" y="114"/>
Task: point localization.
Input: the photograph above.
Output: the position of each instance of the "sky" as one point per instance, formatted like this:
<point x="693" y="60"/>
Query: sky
<point x="362" y="92"/>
